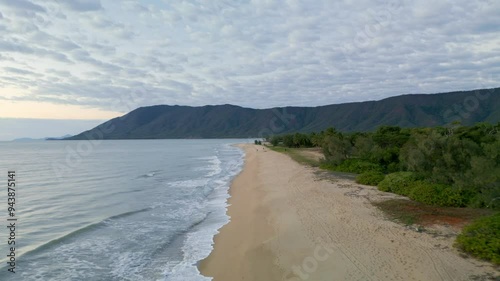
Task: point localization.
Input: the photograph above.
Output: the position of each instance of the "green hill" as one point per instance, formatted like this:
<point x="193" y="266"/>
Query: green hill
<point x="229" y="121"/>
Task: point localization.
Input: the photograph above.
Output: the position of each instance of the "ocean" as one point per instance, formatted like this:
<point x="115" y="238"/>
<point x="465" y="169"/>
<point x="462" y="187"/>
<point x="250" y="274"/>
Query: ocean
<point x="115" y="209"/>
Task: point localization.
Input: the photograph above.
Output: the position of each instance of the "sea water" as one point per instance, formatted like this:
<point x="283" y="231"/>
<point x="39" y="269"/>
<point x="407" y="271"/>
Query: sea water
<point x="115" y="209"/>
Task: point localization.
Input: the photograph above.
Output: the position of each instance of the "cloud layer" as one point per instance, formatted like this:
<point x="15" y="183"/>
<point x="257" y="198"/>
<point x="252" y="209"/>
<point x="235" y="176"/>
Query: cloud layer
<point x="118" y="55"/>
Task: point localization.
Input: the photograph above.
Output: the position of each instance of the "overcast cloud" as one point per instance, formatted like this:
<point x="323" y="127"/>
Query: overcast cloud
<point x="118" y="55"/>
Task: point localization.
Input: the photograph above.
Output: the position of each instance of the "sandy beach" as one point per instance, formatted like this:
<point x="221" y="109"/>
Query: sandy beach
<point x="290" y="223"/>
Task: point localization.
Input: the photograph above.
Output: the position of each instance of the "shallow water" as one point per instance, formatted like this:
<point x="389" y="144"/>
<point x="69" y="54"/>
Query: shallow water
<point x="117" y="210"/>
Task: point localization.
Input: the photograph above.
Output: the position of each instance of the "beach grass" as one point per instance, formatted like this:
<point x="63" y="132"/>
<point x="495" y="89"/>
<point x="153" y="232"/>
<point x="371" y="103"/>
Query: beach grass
<point x="300" y="155"/>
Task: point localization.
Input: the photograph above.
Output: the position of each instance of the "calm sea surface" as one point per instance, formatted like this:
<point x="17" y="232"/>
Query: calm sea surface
<point x="115" y="210"/>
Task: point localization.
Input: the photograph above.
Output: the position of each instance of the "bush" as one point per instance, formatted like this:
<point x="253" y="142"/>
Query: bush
<point x="393" y="167"/>
<point x="489" y="197"/>
<point x="327" y="166"/>
<point x="481" y="238"/>
<point x="357" y="166"/>
<point x="436" y="194"/>
<point x="411" y="185"/>
<point x="399" y="183"/>
<point x="370" y="178"/>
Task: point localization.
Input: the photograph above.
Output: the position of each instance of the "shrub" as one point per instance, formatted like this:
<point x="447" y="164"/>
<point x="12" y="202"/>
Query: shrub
<point x="357" y="166"/>
<point x="393" y="167"/>
<point x="481" y="238"/>
<point x="489" y="197"/>
<point x="370" y="178"/>
<point x="436" y="194"/>
<point x="399" y="183"/>
<point x="327" y="166"/>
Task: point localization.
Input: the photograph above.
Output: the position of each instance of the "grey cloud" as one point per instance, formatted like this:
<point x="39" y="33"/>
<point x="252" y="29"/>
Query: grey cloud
<point x="21" y="71"/>
<point x="177" y="86"/>
<point x="107" y="50"/>
<point x="116" y="29"/>
<point x="89" y="94"/>
<point x="15" y="47"/>
<point x="255" y="53"/>
<point x="17" y="81"/>
<point x="86" y="57"/>
<point x="62" y="73"/>
<point x="24" y="28"/>
<point x="56" y="56"/>
<point x="83" y="5"/>
<point x="48" y="40"/>
<point x="23" y="5"/>
<point x="19" y="47"/>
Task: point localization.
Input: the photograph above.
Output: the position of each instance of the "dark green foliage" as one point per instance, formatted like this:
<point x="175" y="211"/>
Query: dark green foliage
<point x="275" y="140"/>
<point x="390" y="136"/>
<point x="301" y="140"/>
<point x="465" y="160"/>
<point x="357" y="166"/>
<point x="400" y="183"/>
<point x="337" y="148"/>
<point x="436" y="194"/>
<point x="258" y="142"/>
<point x="363" y="146"/>
<point x="295" y="140"/>
<point x="327" y="166"/>
<point x="489" y="197"/>
<point x="370" y="178"/>
<point x="463" y="157"/>
<point x="411" y="185"/>
<point x="388" y="142"/>
<point x="482" y="239"/>
<point x="288" y="141"/>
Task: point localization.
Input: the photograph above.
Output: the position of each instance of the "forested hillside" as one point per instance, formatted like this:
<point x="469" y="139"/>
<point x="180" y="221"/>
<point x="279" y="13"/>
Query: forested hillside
<point x="229" y="121"/>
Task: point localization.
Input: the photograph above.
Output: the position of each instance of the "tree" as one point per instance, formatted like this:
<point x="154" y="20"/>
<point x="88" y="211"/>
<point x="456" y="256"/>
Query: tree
<point x="390" y="136"/>
<point x="363" y="147"/>
<point x="337" y="148"/>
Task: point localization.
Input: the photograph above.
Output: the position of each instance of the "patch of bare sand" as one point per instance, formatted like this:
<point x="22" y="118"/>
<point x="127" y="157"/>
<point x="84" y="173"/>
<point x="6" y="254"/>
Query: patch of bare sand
<point x="289" y="224"/>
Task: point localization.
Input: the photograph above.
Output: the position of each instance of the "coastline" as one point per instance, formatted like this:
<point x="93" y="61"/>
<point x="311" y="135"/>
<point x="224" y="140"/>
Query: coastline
<point x="288" y="223"/>
<point x="241" y="254"/>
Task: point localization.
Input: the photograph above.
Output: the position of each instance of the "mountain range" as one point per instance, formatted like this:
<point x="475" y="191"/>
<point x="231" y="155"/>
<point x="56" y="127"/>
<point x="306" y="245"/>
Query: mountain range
<point x="230" y="121"/>
<point x="41" y="139"/>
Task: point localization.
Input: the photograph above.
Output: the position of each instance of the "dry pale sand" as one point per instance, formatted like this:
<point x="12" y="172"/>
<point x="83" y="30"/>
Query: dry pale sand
<point x="289" y="224"/>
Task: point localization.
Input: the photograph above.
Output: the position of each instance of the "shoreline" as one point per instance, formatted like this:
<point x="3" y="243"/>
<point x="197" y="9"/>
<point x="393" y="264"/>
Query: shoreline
<point x="288" y="223"/>
<point x="244" y="212"/>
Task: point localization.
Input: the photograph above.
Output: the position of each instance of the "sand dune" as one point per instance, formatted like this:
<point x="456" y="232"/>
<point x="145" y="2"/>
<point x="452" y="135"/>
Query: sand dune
<point x="287" y="223"/>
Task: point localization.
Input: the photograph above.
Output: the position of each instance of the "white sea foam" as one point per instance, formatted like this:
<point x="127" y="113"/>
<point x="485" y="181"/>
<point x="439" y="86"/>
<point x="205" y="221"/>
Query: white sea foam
<point x="151" y="215"/>
<point x="198" y="244"/>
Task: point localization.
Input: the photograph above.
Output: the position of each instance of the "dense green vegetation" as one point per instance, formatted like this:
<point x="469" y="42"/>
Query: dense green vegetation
<point x="398" y="182"/>
<point x="370" y="178"/>
<point x="443" y="166"/>
<point x="482" y="238"/>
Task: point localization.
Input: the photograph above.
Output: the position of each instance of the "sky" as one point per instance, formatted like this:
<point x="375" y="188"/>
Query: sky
<point x="85" y="61"/>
